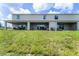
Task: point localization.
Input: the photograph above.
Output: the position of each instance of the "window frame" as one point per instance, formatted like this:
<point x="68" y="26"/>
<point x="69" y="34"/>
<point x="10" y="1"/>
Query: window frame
<point x="17" y="16"/>
<point x="44" y="17"/>
<point x="56" y="17"/>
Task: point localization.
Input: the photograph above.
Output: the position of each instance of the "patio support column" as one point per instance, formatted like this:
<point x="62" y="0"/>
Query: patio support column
<point x="5" y="25"/>
<point x="28" y="25"/>
<point x="77" y="25"/>
<point x="53" y="26"/>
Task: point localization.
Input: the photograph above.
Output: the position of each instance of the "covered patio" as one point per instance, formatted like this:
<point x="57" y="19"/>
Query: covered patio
<point x="29" y="24"/>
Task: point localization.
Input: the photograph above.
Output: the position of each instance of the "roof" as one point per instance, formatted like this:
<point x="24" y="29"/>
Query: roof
<point x="24" y="21"/>
<point x="49" y="14"/>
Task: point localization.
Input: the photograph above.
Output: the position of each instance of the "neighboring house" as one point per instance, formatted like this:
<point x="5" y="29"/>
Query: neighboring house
<point x="44" y="21"/>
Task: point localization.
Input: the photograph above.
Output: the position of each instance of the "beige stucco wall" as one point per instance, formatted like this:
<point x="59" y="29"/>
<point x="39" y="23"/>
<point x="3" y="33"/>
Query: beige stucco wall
<point x="48" y="17"/>
<point x="53" y="25"/>
<point x="77" y="25"/>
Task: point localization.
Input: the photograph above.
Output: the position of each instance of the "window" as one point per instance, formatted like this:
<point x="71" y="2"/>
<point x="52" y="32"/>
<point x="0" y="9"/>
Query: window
<point x="44" y="17"/>
<point x="17" y="16"/>
<point x="56" y="17"/>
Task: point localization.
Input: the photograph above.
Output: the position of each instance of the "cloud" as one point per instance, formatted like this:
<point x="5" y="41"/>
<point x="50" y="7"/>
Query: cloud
<point x="77" y="11"/>
<point x="24" y="11"/>
<point x="9" y="17"/>
<point x="63" y="6"/>
<point x="46" y="6"/>
<point x="2" y="23"/>
<point x="69" y="12"/>
<point x="20" y="10"/>
<point x="53" y="12"/>
<point x="1" y="15"/>
<point x="39" y="6"/>
<point x="42" y="6"/>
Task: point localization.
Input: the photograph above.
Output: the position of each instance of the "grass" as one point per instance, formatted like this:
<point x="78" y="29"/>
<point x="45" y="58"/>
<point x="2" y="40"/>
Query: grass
<point x="39" y="43"/>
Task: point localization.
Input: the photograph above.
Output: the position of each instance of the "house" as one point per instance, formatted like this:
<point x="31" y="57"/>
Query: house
<point x="44" y="21"/>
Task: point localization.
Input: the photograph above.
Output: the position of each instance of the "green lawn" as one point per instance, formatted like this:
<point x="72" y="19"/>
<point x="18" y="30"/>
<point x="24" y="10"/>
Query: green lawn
<point x="55" y="43"/>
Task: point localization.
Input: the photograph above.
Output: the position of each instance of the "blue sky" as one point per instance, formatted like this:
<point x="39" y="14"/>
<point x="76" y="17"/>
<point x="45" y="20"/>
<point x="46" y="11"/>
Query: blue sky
<point x="42" y="8"/>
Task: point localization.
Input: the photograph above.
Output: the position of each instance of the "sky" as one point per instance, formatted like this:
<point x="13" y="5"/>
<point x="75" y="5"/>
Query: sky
<point x="6" y="9"/>
<point x="42" y="8"/>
